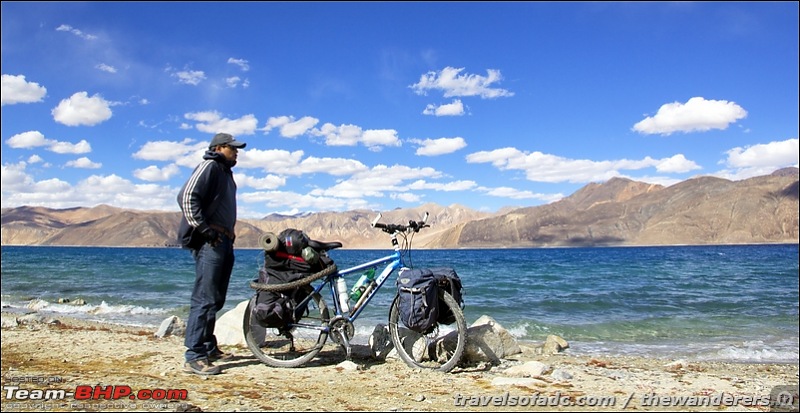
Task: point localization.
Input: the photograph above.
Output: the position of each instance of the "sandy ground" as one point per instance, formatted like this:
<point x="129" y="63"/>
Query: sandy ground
<point x="92" y="359"/>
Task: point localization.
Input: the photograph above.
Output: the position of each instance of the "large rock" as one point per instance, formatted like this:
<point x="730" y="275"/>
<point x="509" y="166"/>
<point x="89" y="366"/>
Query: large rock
<point x="528" y="369"/>
<point x="171" y="326"/>
<point x="554" y="344"/>
<point x="229" y="326"/>
<point x="487" y="340"/>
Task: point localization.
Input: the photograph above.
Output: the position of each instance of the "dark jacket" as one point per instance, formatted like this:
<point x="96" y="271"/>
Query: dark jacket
<point x="207" y="198"/>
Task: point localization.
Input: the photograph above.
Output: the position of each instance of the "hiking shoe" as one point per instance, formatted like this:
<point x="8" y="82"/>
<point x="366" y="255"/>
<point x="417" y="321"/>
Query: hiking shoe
<point x="202" y="367"/>
<point x="218" y="355"/>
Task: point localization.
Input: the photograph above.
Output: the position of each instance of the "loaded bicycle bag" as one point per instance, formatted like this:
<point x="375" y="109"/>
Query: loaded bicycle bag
<point x="418" y="299"/>
<point x="449" y="281"/>
<point x="278" y="309"/>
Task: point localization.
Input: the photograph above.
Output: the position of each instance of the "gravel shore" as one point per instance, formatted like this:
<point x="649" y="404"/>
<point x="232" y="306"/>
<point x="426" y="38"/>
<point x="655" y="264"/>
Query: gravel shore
<point x="94" y="360"/>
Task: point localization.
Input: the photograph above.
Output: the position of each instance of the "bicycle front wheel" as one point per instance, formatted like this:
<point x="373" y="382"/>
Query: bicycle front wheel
<point x="292" y="346"/>
<point x="441" y="349"/>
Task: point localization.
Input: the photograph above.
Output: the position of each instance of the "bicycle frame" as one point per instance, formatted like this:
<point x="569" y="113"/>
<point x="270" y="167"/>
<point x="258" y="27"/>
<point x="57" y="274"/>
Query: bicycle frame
<point x="393" y="262"/>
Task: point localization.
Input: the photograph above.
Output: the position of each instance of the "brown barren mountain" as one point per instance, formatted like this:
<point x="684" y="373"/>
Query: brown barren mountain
<point x="703" y="210"/>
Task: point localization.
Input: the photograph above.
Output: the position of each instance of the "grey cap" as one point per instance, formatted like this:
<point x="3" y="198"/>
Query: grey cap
<point x="225" y="139"/>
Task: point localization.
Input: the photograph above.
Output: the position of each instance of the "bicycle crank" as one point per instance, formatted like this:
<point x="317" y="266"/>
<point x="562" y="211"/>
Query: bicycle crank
<point x="341" y="331"/>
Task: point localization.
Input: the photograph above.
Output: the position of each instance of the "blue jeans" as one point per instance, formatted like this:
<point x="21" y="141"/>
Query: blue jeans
<point x="213" y="267"/>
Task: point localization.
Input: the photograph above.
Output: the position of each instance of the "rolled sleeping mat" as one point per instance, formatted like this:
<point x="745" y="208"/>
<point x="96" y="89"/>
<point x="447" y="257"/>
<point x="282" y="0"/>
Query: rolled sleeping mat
<point x="269" y="242"/>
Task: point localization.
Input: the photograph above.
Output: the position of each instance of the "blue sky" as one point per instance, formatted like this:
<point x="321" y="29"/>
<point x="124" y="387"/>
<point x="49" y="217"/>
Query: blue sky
<point x="389" y="105"/>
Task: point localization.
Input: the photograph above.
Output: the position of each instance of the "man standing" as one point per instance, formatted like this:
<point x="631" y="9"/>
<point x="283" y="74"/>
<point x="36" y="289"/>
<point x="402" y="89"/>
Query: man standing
<point x="208" y="205"/>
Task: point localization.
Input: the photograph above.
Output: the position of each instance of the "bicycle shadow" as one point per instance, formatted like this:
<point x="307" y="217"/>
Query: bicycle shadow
<point x="361" y="355"/>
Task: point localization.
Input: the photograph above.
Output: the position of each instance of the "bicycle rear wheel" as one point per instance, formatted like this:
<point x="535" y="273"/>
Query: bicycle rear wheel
<point x="288" y="347"/>
<point x="441" y="349"/>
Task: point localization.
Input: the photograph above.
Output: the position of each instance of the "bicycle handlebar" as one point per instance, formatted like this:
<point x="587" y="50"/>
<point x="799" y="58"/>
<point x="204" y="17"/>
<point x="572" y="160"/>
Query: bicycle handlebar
<point x="414" y="226"/>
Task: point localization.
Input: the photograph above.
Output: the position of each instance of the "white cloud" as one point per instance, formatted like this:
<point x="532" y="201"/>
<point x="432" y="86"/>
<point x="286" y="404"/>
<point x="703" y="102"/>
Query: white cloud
<point x="290" y="128"/>
<point x="374" y="138"/>
<point x="451" y="83"/>
<point x="16" y="90"/>
<point x="512" y="193"/>
<point x="243" y="64"/>
<point x="293" y="201"/>
<point x="155" y="174"/>
<point x="444" y="187"/>
<point x="379" y="179"/>
<point x="697" y="114"/>
<point x="773" y="155"/>
<point x="80" y="109"/>
<point x="76" y="32"/>
<point x="14" y="178"/>
<point x="212" y="123"/>
<point x="35" y="139"/>
<point x="331" y="166"/>
<point x="441" y="146"/>
<point x="541" y="167"/>
<point x="232" y="81"/>
<point x="342" y="135"/>
<point x="190" y="77"/>
<point x="450" y="109"/>
<point x="267" y="182"/>
<point x="351" y="135"/>
<point x="406" y="197"/>
<point x="65" y="147"/>
<point x="676" y="164"/>
<point x="169" y="151"/>
<point x="106" y="68"/>
<point x="760" y="159"/>
<point x="235" y="81"/>
<point x="84" y="163"/>
<point x="275" y="161"/>
<point x="19" y="188"/>
<point x="30" y="139"/>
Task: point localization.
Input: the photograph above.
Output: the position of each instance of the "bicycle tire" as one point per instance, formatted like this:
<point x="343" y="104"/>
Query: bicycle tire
<point x="438" y="350"/>
<point x="294" y="284"/>
<point x="292" y="347"/>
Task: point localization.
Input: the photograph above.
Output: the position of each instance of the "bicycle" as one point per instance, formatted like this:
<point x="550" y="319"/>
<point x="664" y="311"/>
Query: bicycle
<point x="297" y="343"/>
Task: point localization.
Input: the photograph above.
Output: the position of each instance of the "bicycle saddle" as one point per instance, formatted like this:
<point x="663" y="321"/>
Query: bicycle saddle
<point x="323" y="246"/>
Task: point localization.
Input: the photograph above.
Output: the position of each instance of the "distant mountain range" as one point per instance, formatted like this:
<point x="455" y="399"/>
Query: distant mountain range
<point x="698" y="211"/>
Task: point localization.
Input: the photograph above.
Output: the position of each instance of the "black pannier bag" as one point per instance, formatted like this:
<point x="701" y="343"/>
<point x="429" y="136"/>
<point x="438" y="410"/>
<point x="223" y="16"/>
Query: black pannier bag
<point x="418" y="299"/>
<point x="449" y="281"/>
<point x="277" y="309"/>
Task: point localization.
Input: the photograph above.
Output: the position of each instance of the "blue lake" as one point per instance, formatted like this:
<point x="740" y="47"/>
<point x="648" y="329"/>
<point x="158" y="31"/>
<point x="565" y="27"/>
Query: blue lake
<point x="733" y="303"/>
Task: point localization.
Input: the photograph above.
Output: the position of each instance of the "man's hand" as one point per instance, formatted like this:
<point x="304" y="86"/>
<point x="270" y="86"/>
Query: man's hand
<point x="212" y="237"/>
